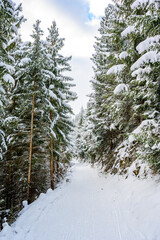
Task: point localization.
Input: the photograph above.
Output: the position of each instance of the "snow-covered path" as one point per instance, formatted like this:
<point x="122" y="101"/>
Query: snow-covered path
<point x="91" y="207"/>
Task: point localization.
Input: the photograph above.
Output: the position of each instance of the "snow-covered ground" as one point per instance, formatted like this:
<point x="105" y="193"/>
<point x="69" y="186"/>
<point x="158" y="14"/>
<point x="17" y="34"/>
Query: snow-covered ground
<point x="92" y="206"/>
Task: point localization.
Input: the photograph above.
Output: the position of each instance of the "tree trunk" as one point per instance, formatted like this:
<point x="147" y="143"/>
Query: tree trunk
<point x="57" y="168"/>
<point x="51" y="158"/>
<point x="31" y="142"/>
<point x="51" y="163"/>
<point x="10" y="163"/>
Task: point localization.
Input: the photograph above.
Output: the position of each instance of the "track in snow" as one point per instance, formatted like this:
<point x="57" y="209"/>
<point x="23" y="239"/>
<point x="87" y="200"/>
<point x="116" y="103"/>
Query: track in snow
<point x="89" y="207"/>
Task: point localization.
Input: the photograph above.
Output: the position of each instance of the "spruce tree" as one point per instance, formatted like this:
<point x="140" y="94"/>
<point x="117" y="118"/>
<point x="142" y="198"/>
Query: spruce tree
<point x="10" y="21"/>
<point x="125" y="98"/>
<point x="58" y="97"/>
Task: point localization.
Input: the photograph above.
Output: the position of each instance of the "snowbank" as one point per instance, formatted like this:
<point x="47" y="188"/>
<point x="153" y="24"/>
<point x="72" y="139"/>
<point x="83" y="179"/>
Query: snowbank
<point x="91" y="206"/>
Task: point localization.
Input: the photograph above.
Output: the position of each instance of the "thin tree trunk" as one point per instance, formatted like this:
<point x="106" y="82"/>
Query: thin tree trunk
<point x="111" y="143"/>
<point x="10" y="163"/>
<point x="51" y="163"/>
<point x="31" y="142"/>
<point x="51" y="158"/>
<point x="57" y="167"/>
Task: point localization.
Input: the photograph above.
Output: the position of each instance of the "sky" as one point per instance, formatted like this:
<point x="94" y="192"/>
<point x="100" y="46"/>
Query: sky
<point x="78" y="22"/>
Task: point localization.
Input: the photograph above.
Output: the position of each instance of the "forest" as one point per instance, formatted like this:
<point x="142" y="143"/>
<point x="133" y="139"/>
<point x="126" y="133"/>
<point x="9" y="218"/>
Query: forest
<point x="121" y="124"/>
<point x="35" y="115"/>
<point x="119" y="130"/>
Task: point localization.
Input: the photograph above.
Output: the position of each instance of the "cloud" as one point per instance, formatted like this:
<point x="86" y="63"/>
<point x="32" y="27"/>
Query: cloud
<point x="78" y="21"/>
<point x="79" y="38"/>
<point x="82" y="72"/>
<point x="97" y="7"/>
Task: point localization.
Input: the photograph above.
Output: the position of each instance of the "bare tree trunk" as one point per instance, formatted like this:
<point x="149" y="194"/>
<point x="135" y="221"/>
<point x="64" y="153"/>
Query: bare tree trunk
<point x="31" y="143"/>
<point x="51" y="158"/>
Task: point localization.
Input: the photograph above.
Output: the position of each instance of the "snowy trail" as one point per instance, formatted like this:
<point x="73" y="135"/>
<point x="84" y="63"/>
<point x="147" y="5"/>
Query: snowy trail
<point x="91" y="207"/>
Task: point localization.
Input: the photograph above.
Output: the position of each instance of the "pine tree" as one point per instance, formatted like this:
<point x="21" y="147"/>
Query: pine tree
<point x="59" y="95"/>
<point x="146" y="80"/>
<point x="125" y="98"/>
<point x="10" y="21"/>
<point x="106" y="65"/>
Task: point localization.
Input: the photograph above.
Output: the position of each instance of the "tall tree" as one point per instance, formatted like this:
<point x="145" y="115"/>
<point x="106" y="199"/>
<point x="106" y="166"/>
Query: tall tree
<point x="125" y="98"/>
<point x="59" y="95"/>
<point x="10" y="21"/>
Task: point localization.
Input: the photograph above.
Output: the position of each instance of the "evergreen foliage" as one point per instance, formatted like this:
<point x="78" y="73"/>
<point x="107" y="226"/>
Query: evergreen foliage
<point x="125" y="114"/>
<point x="35" y="115"/>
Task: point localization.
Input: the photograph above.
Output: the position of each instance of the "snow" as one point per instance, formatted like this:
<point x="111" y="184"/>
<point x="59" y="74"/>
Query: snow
<point x="112" y="127"/>
<point x="51" y="86"/>
<point x="2" y="90"/>
<point x="24" y="61"/>
<point x="141" y="71"/>
<point x="14" y="28"/>
<point x="123" y="55"/>
<point x="9" y="68"/>
<point x="53" y="133"/>
<point x="8" y="78"/>
<point x="10" y="119"/>
<point x="141" y="3"/>
<point x="127" y="31"/>
<point x="120" y="88"/>
<point x="62" y="134"/>
<point x="14" y="40"/>
<point x="116" y="69"/>
<point x="149" y="57"/>
<point x="146" y="44"/>
<point x="140" y="128"/>
<point x="49" y="73"/>
<point x="149" y="122"/>
<point x="131" y="138"/>
<point x="91" y="206"/>
<point x="52" y="95"/>
<point x="156" y="146"/>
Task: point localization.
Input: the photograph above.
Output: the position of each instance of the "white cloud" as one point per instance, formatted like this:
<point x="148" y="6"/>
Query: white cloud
<point x="79" y="41"/>
<point x="97" y="6"/>
<point x="79" y="38"/>
<point x="82" y="72"/>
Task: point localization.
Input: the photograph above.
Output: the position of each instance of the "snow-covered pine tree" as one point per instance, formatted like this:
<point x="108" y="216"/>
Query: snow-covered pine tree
<point x="81" y="132"/>
<point x="29" y="108"/>
<point x="142" y="86"/>
<point x="10" y="21"/>
<point x="33" y="112"/>
<point x="58" y="96"/>
<point x="107" y="67"/>
<point x="126" y="85"/>
<point x="87" y="143"/>
<point x="18" y="140"/>
<point x="145" y="72"/>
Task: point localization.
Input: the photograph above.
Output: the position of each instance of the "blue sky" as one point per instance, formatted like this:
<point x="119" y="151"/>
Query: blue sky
<point x="77" y="9"/>
<point x="78" y="22"/>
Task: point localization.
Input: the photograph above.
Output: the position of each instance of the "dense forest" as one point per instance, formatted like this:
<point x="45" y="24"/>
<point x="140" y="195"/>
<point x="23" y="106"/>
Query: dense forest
<point x="120" y="128"/>
<point x="35" y="115"/>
